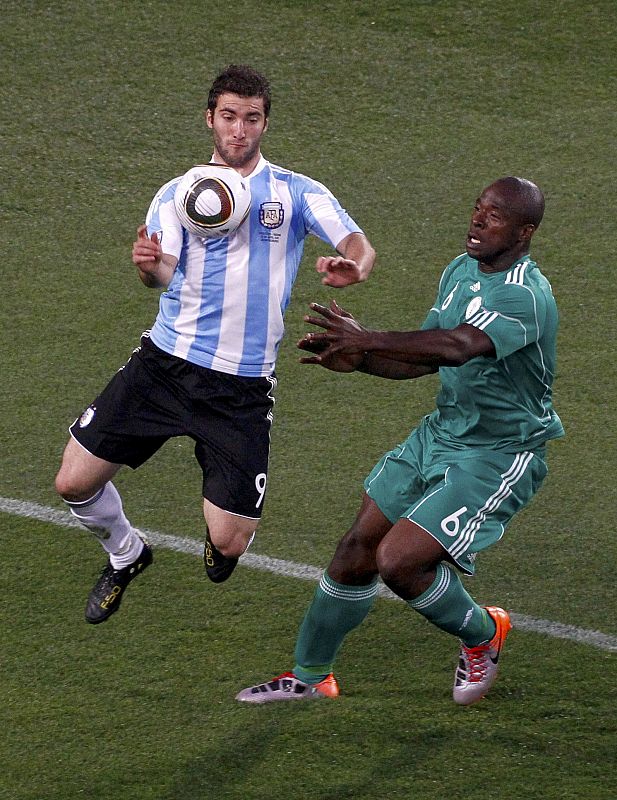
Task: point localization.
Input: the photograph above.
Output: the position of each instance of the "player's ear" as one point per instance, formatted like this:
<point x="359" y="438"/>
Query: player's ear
<point x="208" y="117"/>
<point x="527" y="231"/>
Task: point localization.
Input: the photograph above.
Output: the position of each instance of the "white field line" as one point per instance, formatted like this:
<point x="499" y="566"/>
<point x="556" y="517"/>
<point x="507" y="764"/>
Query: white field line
<point x="289" y="569"/>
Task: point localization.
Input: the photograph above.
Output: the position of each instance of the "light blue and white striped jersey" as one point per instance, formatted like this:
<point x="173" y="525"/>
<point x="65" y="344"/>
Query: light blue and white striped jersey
<point x="224" y="306"/>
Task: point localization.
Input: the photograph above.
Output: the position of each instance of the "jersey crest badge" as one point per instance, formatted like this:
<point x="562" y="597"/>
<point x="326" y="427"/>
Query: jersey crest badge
<point x="475" y="287"/>
<point x="271" y="214"/>
<point x="473" y="307"/>
<point x="87" y="417"/>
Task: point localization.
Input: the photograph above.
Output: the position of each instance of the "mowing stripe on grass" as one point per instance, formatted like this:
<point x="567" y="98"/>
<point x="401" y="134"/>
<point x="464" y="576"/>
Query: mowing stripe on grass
<point x="289" y="569"/>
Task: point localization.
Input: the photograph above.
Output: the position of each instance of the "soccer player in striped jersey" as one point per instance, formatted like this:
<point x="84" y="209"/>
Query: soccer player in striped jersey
<point x="448" y="492"/>
<point x="206" y="368"/>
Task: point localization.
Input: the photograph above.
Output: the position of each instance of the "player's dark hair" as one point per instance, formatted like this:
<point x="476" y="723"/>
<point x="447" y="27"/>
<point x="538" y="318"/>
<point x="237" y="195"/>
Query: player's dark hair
<point x="242" y="80"/>
<point x="529" y="199"/>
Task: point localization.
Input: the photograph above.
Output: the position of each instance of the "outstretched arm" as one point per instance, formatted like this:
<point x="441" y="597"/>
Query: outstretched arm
<point x="391" y="354"/>
<point x="383" y="367"/>
<point x="353" y="265"/>
<point x="371" y="363"/>
<point x="155" y="267"/>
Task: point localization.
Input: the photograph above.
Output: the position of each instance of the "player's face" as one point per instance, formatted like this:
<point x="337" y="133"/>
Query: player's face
<point x="237" y="124"/>
<point x="496" y="236"/>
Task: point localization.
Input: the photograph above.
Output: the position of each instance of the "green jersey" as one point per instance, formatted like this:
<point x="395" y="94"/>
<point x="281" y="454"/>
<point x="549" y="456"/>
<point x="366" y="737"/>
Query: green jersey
<point x="503" y="402"/>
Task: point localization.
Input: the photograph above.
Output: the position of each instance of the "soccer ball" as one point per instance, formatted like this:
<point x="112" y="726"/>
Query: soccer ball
<point x="212" y="200"/>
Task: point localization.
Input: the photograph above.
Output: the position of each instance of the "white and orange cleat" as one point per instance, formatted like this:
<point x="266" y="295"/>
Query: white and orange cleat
<point x="477" y="666"/>
<point x="288" y="687"/>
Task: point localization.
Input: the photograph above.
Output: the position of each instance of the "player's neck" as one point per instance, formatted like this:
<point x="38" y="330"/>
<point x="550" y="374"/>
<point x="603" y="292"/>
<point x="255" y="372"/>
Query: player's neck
<point x="503" y="262"/>
<point x="243" y="169"/>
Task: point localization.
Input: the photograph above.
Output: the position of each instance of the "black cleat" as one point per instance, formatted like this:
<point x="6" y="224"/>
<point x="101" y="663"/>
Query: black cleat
<point x="107" y="592"/>
<point x="218" y="566"/>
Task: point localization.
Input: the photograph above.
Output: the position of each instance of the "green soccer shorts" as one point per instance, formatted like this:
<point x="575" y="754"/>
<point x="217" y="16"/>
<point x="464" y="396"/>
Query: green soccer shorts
<point x="463" y="498"/>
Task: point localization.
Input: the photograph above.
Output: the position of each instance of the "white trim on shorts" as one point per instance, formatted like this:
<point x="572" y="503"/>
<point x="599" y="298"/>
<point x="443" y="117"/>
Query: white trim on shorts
<point x="509" y="479"/>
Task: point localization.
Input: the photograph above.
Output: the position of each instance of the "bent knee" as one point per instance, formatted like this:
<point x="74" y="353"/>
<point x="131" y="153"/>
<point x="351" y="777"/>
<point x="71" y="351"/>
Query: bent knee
<point x="354" y="547"/>
<point x="231" y="548"/>
<point x="72" y="490"/>
<point x="65" y="486"/>
<point x="353" y="559"/>
<point x="407" y="574"/>
<point x="232" y="540"/>
<point x="391" y="567"/>
<point x="75" y="487"/>
<point x="82" y="474"/>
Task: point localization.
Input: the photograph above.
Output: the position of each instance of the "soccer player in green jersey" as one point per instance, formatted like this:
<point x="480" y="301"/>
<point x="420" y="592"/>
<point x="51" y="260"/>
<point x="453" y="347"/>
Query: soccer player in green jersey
<point x="448" y="491"/>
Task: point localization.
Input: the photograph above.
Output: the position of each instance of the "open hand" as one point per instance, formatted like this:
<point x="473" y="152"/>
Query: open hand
<point x="337" y="271"/>
<point x="336" y="348"/>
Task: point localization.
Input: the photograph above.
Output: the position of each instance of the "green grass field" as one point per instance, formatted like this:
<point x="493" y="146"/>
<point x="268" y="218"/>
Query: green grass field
<point x="406" y="110"/>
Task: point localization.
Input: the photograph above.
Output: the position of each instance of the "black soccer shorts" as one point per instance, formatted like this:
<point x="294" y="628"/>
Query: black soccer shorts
<point x="156" y="396"/>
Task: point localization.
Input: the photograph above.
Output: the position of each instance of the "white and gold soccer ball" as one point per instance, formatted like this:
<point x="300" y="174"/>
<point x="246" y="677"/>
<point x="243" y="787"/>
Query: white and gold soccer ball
<point x="212" y="200"/>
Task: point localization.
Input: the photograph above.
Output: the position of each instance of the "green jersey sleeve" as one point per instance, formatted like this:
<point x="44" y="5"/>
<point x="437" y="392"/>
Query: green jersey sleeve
<point x="512" y="316"/>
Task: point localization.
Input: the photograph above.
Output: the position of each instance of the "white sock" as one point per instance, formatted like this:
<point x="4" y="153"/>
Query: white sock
<point x="103" y="516"/>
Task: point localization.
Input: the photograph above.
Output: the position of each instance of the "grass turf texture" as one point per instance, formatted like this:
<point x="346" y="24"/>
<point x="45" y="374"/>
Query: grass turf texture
<point x="405" y="110"/>
<point x="142" y="709"/>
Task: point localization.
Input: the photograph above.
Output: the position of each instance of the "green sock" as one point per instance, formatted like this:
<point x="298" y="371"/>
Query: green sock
<point x="335" y="611"/>
<point x="447" y="605"/>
